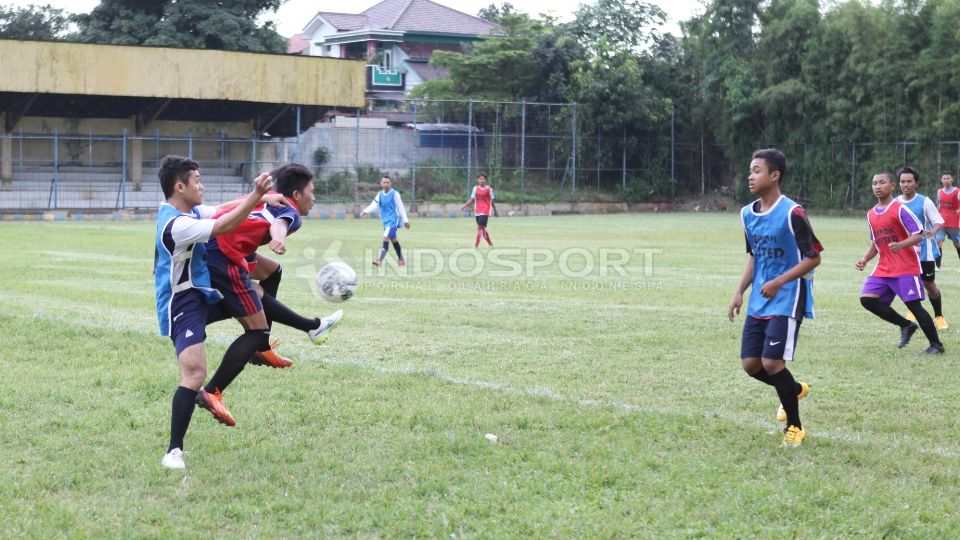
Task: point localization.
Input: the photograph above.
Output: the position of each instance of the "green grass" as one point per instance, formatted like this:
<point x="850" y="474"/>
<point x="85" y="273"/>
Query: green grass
<point x="619" y="403"/>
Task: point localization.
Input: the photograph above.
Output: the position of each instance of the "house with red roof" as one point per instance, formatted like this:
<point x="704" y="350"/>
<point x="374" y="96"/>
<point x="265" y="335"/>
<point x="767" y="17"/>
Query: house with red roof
<point x="397" y="38"/>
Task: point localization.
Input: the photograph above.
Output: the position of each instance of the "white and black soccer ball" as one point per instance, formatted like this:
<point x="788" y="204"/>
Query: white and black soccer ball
<point x="336" y="282"/>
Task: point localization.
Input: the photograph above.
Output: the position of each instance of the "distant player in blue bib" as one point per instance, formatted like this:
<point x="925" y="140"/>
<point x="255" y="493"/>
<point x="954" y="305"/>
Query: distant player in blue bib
<point x="183" y="285"/>
<point x="932" y="224"/>
<point x="783" y="251"/>
<point x="392" y="214"/>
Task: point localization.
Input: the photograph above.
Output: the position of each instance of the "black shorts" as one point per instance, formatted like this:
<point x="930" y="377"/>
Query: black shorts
<point x="239" y="297"/>
<point x="774" y="338"/>
<point x="928" y="271"/>
<point x="482" y="220"/>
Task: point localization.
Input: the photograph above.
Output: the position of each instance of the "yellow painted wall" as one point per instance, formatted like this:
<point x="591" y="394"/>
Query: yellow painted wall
<point x="132" y="71"/>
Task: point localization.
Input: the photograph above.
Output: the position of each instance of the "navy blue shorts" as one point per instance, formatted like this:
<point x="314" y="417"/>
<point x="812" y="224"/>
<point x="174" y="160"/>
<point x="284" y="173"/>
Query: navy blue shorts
<point x="774" y="338"/>
<point x="188" y="314"/>
<point x="239" y="297"/>
<point x="482" y="220"/>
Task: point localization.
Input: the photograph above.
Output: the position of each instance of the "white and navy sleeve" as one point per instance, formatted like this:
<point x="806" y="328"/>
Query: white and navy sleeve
<point x="932" y="214"/>
<point x="187" y="230"/>
<point x="373" y="205"/>
<point x="401" y="211"/>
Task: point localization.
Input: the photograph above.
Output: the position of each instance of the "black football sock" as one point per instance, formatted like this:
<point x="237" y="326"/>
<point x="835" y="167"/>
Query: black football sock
<point x="278" y="312"/>
<point x="235" y="359"/>
<point x="937" y="303"/>
<point x="762" y="376"/>
<point x="396" y="247"/>
<point x="183" y="405"/>
<point x="384" y="249"/>
<point x="884" y="311"/>
<point x="271" y="285"/>
<point x="925" y="321"/>
<point x="787" y="392"/>
<point x="958" y="250"/>
<point x="939" y="259"/>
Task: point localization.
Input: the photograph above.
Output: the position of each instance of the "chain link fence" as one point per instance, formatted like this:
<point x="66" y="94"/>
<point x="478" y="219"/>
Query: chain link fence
<point x="531" y="153"/>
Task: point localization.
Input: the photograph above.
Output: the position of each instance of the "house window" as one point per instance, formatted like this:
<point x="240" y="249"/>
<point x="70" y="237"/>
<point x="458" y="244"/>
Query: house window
<point x="326" y="49"/>
<point x="387" y="62"/>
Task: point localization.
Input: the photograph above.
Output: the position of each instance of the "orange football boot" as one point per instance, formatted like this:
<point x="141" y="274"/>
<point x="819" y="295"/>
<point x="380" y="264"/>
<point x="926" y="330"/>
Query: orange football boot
<point x="214" y="403"/>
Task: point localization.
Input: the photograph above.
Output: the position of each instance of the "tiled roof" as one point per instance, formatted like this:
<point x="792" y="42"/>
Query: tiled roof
<point x="412" y="16"/>
<point x="428" y="72"/>
<point x="427" y="16"/>
<point x="344" y="21"/>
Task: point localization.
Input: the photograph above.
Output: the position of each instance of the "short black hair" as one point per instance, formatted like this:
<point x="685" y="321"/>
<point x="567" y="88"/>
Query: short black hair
<point x="291" y="177"/>
<point x="175" y="169"/>
<point x="387" y="176"/>
<point x="911" y="170"/>
<point x="945" y="173"/>
<point x="484" y="175"/>
<point x="888" y="174"/>
<point x="775" y="160"/>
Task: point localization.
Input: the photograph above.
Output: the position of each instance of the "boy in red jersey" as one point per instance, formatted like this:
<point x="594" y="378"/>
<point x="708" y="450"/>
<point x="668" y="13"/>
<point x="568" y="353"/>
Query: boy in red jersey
<point x="271" y="223"/>
<point x="232" y="257"/>
<point x="483" y="195"/>
<point x="948" y="202"/>
<point x="894" y="231"/>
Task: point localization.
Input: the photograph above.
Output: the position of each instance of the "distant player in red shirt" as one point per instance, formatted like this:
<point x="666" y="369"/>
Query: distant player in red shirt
<point x="482" y="197"/>
<point x="894" y="233"/>
<point x="948" y="202"/>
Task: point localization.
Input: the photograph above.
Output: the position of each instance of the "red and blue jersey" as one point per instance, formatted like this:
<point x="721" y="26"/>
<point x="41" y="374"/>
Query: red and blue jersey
<point x="483" y="198"/>
<point x="254" y="232"/>
<point x="894" y="223"/>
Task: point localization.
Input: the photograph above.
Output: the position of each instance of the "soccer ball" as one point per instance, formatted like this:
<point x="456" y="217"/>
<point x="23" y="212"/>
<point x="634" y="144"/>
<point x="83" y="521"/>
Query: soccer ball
<point x="336" y="282"/>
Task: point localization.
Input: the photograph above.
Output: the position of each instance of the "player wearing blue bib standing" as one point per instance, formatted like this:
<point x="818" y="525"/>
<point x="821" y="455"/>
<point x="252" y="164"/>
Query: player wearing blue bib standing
<point x="183" y="288"/>
<point x="783" y="251"/>
<point x="393" y="215"/>
<point x="932" y="224"/>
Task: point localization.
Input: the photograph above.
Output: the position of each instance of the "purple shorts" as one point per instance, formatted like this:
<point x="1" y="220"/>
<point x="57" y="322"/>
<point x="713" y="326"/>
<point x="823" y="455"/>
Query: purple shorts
<point x="908" y="288"/>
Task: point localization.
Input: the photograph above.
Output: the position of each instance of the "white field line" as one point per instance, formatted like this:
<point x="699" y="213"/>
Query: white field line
<point x="304" y="352"/>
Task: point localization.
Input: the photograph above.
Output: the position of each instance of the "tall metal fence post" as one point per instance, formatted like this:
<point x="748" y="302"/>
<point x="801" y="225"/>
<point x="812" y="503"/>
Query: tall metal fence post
<point x="356" y="159"/>
<point x="853" y="171"/>
<point x="523" y="153"/>
<point x="599" y="142"/>
<point x="55" y="183"/>
<point x="469" y="141"/>
<point x="190" y="145"/>
<point x="673" y="147"/>
<point x="413" y="166"/>
<point x="253" y="156"/>
<point x="122" y="196"/>
<point x="299" y="150"/>
<point x="623" y="166"/>
<point x="573" y="152"/>
<point x="223" y="165"/>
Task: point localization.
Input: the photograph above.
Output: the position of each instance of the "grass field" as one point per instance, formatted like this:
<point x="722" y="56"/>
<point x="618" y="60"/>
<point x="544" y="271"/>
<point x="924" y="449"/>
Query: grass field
<point x="619" y="402"/>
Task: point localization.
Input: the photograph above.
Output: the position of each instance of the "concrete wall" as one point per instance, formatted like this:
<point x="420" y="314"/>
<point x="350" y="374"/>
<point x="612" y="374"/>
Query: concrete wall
<point x="119" y="70"/>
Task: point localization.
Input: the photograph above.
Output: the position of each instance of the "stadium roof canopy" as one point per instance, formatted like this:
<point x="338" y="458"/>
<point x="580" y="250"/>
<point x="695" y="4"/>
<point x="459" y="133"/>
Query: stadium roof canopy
<point x="78" y="80"/>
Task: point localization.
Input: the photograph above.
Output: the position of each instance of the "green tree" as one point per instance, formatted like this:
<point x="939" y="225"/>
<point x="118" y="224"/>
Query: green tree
<point x="32" y="22"/>
<point x="120" y="22"/>
<point x="493" y="13"/>
<point x="618" y="24"/>
<point x="201" y="24"/>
